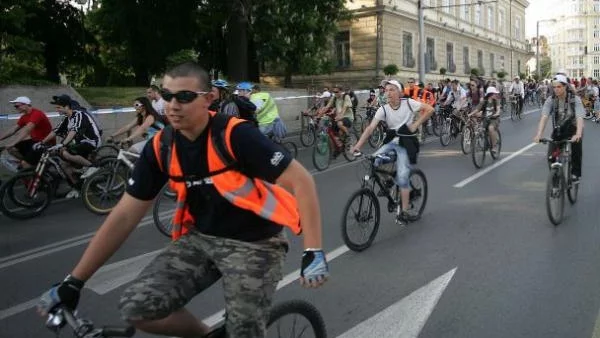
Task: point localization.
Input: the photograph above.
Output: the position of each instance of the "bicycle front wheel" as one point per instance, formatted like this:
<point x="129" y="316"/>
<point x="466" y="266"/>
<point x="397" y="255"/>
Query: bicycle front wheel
<point x="445" y="133"/>
<point x="478" y="150"/>
<point x="291" y="148"/>
<point x="18" y="201"/>
<point x="308" y="135"/>
<point x="296" y="318"/>
<point x="495" y="151"/>
<point x="103" y="190"/>
<point x="163" y="210"/>
<point x="321" y="155"/>
<point x="360" y="221"/>
<point x="465" y="140"/>
<point x="513" y="111"/>
<point x="555" y="196"/>
<point x="350" y="141"/>
<point x="376" y="138"/>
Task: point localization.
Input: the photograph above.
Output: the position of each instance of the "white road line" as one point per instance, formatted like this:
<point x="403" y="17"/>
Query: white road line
<point x="472" y="178"/>
<point x="287" y="280"/>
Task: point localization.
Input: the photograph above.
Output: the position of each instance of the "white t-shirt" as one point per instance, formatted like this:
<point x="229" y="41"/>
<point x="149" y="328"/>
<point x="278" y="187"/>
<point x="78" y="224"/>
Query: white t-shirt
<point x="159" y="106"/>
<point x="401" y="116"/>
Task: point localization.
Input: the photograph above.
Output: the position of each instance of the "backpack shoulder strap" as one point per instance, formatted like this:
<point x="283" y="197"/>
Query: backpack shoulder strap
<point x="218" y="128"/>
<point x="163" y="143"/>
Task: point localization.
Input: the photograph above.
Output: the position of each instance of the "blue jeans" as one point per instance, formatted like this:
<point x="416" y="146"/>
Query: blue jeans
<point x="402" y="163"/>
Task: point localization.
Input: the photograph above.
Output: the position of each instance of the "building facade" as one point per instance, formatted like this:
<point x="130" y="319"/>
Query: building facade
<point x="459" y="35"/>
<point x="574" y="37"/>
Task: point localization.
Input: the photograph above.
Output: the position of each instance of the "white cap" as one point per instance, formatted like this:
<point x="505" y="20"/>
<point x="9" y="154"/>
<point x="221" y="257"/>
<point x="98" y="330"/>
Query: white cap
<point x="395" y="83"/>
<point x="491" y="90"/>
<point x="21" y="99"/>
<point x="325" y="94"/>
<point x="562" y="72"/>
<point x="560" y="78"/>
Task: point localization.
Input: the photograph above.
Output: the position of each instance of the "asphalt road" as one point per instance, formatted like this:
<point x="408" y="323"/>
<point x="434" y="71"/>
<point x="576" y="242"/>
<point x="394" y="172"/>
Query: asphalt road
<point x="484" y="261"/>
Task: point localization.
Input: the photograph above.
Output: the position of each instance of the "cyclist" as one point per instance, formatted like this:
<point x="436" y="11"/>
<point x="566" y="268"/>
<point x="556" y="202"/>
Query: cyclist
<point x="518" y="89"/>
<point x="381" y="96"/>
<point x="33" y="126"/>
<point x="490" y="108"/>
<point x="269" y="122"/>
<point x="399" y="114"/>
<point x="147" y="121"/>
<point x="341" y="103"/>
<point x="566" y="111"/>
<point x="246" y="108"/>
<point x="80" y="135"/>
<point x="221" y="228"/>
<point x="153" y="94"/>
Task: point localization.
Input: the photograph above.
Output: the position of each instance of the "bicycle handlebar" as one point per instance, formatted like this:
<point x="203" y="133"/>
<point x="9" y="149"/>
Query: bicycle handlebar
<point x="547" y="140"/>
<point x="83" y="328"/>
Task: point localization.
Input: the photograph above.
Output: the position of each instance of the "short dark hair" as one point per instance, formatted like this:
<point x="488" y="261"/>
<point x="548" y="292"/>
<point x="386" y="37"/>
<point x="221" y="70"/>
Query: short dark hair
<point x="191" y="69"/>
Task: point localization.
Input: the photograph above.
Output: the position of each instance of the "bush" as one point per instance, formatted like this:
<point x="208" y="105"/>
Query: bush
<point x="475" y="71"/>
<point x="443" y="71"/>
<point x="501" y="74"/>
<point x="391" y="69"/>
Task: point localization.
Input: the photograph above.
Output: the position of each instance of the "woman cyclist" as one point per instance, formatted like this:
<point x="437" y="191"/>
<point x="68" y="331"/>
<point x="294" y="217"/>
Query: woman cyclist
<point x="147" y="121"/>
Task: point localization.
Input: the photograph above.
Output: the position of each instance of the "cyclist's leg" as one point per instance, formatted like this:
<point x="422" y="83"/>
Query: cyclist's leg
<point x="491" y="128"/>
<point x="78" y="154"/>
<point x="138" y="147"/>
<point x="403" y="175"/>
<point x="155" y="301"/>
<point x="251" y="271"/>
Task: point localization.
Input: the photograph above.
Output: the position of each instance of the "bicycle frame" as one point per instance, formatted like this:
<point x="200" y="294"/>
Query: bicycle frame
<point x="375" y="176"/>
<point x="40" y="170"/>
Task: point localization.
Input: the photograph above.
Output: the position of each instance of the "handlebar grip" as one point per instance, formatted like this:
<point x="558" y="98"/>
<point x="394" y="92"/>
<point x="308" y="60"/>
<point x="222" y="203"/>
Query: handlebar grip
<point x="113" y="331"/>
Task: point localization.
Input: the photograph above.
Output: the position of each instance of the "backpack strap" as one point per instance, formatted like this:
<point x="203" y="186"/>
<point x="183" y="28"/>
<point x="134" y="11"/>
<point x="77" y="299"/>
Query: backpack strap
<point x="166" y="141"/>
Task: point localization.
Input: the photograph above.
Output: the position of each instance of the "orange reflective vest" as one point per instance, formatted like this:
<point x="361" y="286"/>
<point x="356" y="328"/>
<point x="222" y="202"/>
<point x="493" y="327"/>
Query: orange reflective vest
<point x="266" y="200"/>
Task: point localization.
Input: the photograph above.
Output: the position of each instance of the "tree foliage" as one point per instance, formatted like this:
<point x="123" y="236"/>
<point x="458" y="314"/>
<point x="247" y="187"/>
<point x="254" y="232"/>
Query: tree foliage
<point x="296" y="34"/>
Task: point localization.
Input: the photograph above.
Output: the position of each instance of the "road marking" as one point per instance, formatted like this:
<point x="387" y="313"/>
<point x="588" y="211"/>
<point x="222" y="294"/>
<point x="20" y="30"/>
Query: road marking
<point x="407" y="317"/>
<point x="59" y="246"/>
<point x="472" y="178"/>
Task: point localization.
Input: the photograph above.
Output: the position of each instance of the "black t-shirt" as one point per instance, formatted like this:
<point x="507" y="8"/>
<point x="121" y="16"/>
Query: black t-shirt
<point x="258" y="156"/>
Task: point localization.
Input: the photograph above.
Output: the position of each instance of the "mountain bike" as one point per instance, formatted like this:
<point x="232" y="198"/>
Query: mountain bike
<point x="293" y="318"/>
<point x="29" y="192"/>
<point x="560" y="179"/>
<point x="329" y="146"/>
<point x="103" y="189"/>
<point x="481" y="142"/>
<point x="362" y="212"/>
<point x="451" y="126"/>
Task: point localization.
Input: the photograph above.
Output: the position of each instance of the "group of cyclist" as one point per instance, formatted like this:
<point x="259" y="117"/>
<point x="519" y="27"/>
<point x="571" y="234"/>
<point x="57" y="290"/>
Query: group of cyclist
<point x="237" y="190"/>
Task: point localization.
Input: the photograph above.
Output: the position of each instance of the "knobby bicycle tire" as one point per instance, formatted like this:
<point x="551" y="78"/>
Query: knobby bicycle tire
<point x="22" y="211"/>
<point x="366" y="197"/>
<point x="555" y="189"/>
<point x="110" y="183"/>
<point x="299" y="308"/>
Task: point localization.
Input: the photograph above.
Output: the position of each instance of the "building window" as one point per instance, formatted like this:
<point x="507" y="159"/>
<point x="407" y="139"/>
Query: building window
<point x="466" y="62"/>
<point x="407" y="50"/>
<point x="492" y="63"/>
<point x="596" y="33"/>
<point x="430" y="54"/>
<point x="501" y="21"/>
<point x="450" y="57"/>
<point x="480" y="59"/>
<point x="517" y="28"/>
<point x="596" y="72"/>
<point x="597" y="60"/>
<point x="502" y="62"/>
<point x="518" y="66"/>
<point x="597" y="47"/>
<point x="464" y="10"/>
<point x="447" y="4"/>
<point x="478" y="15"/>
<point x="490" y="18"/>
<point x="342" y="48"/>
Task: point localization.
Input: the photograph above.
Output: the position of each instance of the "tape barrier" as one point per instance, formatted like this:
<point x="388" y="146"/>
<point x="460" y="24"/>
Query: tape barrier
<point x="131" y="109"/>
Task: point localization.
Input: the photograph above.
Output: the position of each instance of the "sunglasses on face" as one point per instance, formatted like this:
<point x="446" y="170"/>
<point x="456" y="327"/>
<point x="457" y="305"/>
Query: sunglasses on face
<point x="17" y="106"/>
<point x="336" y="91"/>
<point x="183" y="96"/>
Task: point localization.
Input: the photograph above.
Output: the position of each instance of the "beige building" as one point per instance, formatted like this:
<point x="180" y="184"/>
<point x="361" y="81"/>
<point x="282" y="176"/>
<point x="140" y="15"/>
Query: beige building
<point x="489" y="36"/>
<point x="574" y="37"/>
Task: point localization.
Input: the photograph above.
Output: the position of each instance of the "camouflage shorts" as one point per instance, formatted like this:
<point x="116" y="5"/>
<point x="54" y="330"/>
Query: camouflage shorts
<point x="250" y="272"/>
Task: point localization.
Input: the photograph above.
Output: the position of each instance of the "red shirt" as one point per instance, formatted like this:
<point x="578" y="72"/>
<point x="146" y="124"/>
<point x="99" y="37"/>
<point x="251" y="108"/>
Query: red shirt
<point x="41" y="124"/>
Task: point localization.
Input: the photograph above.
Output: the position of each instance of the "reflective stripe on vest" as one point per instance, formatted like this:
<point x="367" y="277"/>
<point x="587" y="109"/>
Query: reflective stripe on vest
<point x="268" y="201"/>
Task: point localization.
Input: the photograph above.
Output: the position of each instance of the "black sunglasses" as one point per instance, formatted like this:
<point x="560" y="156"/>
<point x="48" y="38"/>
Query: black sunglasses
<point x="184" y="96"/>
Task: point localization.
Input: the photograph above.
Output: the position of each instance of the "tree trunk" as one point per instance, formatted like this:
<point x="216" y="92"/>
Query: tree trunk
<point x="50" y="48"/>
<point x="287" y="81"/>
<point x="237" y="42"/>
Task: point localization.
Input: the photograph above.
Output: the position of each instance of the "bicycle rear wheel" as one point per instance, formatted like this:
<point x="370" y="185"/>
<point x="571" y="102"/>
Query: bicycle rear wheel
<point x="350" y="141"/>
<point x="495" y="151"/>
<point x="291" y="148"/>
<point x="103" y="190"/>
<point x="360" y="221"/>
<point x="478" y="149"/>
<point x="295" y="318"/>
<point x="16" y="201"/>
<point x="357" y="123"/>
<point x="572" y="189"/>
<point x="321" y="155"/>
<point x="376" y="138"/>
<point x="163" y="210"/>
<point x="465" y="140"/>
<point x="437" y="124"/>
<point x="555" y="196"/>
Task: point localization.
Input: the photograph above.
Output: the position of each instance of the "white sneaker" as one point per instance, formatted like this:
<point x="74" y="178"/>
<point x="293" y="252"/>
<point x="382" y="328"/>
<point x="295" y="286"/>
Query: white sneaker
<point x="72" y="194"/>
<point x="89" y="172"/>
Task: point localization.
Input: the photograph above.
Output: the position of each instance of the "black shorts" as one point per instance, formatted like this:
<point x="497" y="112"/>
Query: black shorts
<point x="25" y="148"/>
<point x="82" y="149"/>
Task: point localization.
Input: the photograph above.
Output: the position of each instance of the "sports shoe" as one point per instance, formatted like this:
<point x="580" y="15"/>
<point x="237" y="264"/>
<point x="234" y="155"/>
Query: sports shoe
<point x="402" y="219"/>
<point x="72" y="194"/>
<point x="575" y="179"/>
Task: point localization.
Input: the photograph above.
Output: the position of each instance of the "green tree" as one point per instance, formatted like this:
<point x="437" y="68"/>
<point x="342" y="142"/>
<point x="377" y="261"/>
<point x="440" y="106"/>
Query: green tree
<point x="545" y="66"/>
<point x="390" y="69"/>
<point x="295" y="35"/>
